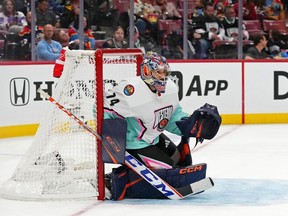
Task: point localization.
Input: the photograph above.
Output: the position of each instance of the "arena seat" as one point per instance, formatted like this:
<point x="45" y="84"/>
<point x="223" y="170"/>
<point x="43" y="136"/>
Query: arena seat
<point x="252" y="24"/>
<point x="99" y="43"/>
<point x="168" y="26"/>
<point x="121" y="5"/>
<point x="275" y="25"/>
<point x="253" y="32"/>
<point x="224" y="50"/>
<point x="189" y="12"/>
<point x="175" y="2"/>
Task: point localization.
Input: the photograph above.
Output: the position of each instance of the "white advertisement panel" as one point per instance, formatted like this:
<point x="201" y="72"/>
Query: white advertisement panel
<point x="20" y="102"/>
<point x="199" y="83"/>
<point x="215" y="83"/>
<point x="266" y="87"/>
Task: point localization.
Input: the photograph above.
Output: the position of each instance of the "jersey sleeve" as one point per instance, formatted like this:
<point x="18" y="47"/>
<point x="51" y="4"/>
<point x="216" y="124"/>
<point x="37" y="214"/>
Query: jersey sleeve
<point x="59" y="64"/>
<point x="177" y="115"/>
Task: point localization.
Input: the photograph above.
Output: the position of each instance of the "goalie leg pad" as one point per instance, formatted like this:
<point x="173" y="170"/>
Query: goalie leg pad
<point x="114" y="141"/>
<point x="128" y="184"/>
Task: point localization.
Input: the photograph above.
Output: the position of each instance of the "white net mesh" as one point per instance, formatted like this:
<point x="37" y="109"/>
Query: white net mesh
<point x="62" y="160"/>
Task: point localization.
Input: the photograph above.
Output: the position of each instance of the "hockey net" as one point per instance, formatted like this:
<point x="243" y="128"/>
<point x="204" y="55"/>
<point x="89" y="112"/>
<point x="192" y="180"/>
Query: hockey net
<point x="64" y="160"/>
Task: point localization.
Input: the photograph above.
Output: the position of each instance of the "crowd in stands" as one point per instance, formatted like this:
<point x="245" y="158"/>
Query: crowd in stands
<point x="213" y="30"/>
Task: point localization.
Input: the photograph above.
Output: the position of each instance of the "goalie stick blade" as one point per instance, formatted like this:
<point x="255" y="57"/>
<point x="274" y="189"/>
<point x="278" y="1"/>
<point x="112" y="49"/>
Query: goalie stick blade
<point x="196" y="187"/>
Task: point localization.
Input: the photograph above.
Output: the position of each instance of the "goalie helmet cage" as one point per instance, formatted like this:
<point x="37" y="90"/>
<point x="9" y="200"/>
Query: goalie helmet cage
<point x="64" y="160"/>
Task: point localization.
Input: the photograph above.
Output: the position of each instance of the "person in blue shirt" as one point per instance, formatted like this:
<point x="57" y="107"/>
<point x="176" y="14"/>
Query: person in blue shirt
<point x="48" y="49"/>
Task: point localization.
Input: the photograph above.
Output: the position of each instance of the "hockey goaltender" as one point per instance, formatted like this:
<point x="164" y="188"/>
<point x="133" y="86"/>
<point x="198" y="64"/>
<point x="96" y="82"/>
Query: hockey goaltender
<point x="153" y="166"/>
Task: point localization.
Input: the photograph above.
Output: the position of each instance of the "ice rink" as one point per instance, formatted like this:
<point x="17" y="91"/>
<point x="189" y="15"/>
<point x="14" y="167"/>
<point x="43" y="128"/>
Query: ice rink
<point x="248" y="164"/>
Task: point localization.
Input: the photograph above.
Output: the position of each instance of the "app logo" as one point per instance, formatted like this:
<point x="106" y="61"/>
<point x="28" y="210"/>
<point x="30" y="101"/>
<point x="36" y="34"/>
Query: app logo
<point x="19" y="91"/>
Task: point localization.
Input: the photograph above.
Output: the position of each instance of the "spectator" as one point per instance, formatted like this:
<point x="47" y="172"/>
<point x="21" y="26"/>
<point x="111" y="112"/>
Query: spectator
<point x="70" y="14"/>
<point x="274" y="10"/>
<point x="57" y="7"/>
<point x="230" y="24"/>
<point x="117" y="40"/>
<point x="199" y="7"/>
<point x="25" y="38"/>
<point x="143" y="8"/>
<point x="166" y="10"/>
<point x="48" y="49"/>
<point x="10" y="17"/>
<point x="277" y="46"/>
<point x="258" y="50"/>
<point x="207" y="28"/>
<point x="22" y="5"/>
<point x="44" y="15"/>
<point x="260" y="5"/>
<point x="249" y="12"/>
<point x="137" y="42"/>
<point x="146" y="18"/>
<point x="220" y="6"/>
<point x="61" y="36"/>
<point x="89" y="40"/>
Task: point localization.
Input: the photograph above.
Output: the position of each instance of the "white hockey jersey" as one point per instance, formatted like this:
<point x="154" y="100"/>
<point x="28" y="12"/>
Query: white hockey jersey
<point x="147" y="113"/>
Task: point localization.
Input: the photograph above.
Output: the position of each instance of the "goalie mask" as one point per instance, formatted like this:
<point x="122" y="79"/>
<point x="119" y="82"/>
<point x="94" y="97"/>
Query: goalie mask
<point x="155" y="71"/>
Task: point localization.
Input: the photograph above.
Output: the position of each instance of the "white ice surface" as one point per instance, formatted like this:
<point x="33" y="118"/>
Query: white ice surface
<point x="247" y="162"/>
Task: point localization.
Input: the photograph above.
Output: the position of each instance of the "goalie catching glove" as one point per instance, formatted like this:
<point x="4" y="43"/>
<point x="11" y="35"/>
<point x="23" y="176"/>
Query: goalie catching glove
<point x="204" y="123"/>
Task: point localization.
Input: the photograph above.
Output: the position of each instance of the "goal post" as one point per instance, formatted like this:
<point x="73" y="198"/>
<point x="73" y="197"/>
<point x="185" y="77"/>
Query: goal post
<point x="103" y="58"/>
<point x="64" y="160"/>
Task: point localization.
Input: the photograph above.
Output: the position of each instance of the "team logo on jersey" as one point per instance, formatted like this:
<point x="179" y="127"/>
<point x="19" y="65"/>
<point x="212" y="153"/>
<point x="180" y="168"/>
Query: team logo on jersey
<point x="162" y="117"/>
<point x="212" y="27"/>
<point x="128" y="90"/>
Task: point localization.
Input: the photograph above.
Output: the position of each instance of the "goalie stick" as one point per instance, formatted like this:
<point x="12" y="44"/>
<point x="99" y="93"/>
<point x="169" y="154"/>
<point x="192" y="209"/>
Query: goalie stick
<point x="146" y="173"/>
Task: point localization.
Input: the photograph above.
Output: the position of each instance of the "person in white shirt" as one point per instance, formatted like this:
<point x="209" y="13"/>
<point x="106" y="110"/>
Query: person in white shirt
<point x="10" y="17"/>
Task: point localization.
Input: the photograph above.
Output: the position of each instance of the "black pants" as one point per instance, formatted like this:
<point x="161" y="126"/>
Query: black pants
<point x="161" y="152"/>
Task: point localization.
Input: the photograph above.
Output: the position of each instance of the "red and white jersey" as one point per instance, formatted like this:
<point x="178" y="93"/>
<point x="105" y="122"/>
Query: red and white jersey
<point x="59" y="63"/>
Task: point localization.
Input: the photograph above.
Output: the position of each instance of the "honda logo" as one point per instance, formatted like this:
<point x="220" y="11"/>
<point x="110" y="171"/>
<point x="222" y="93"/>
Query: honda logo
<point x="19" y="91"/>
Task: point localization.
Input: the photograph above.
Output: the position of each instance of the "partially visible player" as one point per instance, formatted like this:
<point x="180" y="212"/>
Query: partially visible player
<point x="59" y="63"/>
<point x="150" y="105"/>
